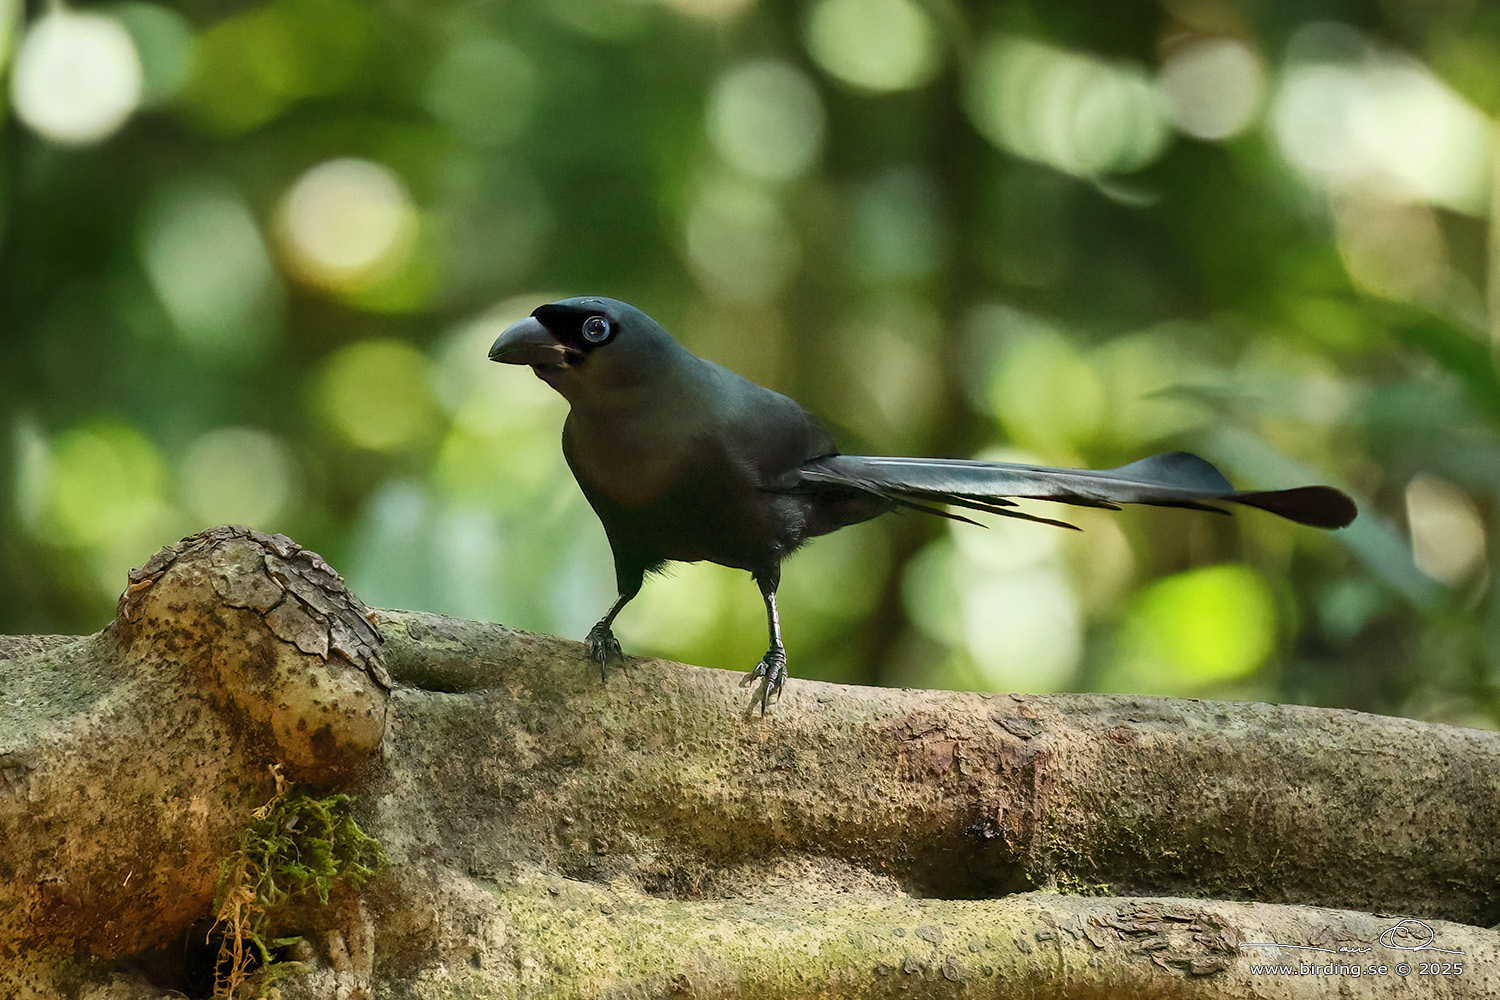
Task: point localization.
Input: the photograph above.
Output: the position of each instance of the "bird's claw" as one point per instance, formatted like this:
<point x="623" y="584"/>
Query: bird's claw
<point x="602" y="645"/>
<point x="772" y="667"/>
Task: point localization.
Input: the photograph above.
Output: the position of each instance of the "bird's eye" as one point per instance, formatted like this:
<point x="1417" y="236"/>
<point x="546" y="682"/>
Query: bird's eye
<point x="596" y="329"/>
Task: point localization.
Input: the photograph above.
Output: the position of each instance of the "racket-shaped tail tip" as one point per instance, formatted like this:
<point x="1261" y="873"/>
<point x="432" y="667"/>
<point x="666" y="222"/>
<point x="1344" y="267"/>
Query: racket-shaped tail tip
<point x="1315" y="506"/>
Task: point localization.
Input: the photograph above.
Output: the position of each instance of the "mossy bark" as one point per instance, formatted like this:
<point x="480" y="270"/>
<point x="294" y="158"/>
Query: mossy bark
<point x="553" y="836"/>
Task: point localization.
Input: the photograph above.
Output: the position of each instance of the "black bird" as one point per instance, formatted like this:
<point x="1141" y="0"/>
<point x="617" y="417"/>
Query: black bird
<point x="685" y="460"/>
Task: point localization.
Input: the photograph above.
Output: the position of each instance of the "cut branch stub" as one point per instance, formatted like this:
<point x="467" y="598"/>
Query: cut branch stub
<point x="275" y="637"/>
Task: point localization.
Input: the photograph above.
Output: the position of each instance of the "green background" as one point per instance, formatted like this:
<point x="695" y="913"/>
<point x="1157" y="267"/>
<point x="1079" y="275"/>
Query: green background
<point x="1073" y="233"/>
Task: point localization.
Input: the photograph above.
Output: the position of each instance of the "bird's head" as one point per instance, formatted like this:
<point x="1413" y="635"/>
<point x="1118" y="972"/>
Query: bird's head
<point x="578" y="343"/>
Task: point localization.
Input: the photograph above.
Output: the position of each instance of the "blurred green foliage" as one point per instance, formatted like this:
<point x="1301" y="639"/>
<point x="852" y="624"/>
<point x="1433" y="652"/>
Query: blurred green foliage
<point x="254" y="253"/>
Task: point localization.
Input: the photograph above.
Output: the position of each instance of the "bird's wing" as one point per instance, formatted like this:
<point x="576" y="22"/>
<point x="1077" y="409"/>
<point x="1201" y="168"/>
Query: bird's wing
<point x="769" y="434"/>
<point x="1174" y="479"/>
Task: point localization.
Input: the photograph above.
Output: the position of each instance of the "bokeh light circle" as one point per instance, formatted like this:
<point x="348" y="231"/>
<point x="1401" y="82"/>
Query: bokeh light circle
<point x="77" y="77"/>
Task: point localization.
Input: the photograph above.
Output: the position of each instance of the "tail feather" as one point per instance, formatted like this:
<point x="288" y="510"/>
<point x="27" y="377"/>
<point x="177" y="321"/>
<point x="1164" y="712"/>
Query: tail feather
<point x="1174" y="479"/>
<point x="1318" y="506"/>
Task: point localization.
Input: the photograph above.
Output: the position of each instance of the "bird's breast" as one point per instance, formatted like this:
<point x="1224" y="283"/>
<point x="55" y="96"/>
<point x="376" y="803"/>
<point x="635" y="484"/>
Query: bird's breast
<point x="629" y="463"/>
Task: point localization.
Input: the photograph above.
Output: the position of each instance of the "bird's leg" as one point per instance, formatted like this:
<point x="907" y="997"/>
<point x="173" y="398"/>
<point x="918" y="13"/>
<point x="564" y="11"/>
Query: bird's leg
<point x="772" y="666"/>
<point x="601" y="641"/>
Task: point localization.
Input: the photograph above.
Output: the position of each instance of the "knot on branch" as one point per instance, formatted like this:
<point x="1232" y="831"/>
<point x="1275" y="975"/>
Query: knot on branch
<point x="303" y="600"/>
<point x="276" y="634"/>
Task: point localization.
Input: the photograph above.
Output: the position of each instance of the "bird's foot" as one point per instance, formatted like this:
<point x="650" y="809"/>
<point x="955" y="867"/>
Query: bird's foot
<point x="771" y="670"/>
<point x="602" y="644"/>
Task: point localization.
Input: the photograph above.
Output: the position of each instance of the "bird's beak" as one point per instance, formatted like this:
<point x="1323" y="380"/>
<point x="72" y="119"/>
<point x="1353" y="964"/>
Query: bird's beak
<point x="528" y="342"/>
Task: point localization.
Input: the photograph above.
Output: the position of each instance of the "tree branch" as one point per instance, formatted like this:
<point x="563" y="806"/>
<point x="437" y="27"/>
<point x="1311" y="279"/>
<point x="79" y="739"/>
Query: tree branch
<point x="554" y="836"/>
<point x="969" y="795"/>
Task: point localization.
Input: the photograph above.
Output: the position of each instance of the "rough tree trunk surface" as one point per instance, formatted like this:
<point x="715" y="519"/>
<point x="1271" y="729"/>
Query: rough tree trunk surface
<point x="552" y="836"/>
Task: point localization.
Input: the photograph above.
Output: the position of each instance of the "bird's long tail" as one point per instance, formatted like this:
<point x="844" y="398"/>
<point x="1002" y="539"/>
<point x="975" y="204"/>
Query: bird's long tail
<point x="1174" y="479"/>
